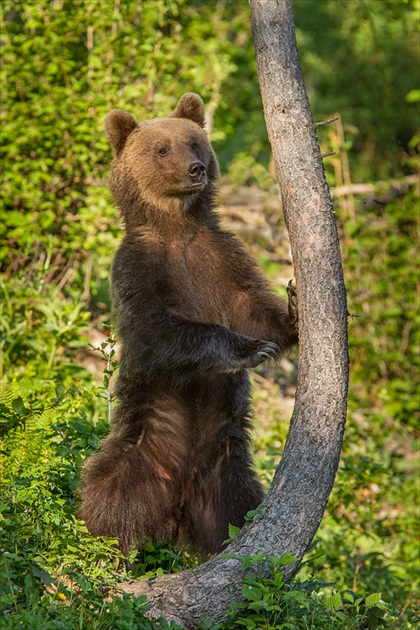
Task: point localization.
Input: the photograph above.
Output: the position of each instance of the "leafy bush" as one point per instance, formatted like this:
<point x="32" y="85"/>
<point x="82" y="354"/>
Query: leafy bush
<point x="379" y="256"/>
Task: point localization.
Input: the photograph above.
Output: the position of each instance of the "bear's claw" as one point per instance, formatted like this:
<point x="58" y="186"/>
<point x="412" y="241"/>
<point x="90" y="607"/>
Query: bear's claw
<point x="293" y="306"/>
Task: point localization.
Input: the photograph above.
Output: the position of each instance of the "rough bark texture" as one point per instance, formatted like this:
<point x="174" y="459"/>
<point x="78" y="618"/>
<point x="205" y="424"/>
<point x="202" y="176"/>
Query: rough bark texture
<point x="306" y="473"/>
<point x="303" y="481"/>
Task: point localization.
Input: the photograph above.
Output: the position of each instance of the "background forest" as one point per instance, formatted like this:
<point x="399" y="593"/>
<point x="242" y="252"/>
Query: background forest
<point x="64" y="66"/>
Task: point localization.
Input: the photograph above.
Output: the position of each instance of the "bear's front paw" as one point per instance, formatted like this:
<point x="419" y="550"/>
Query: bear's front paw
<point x="293" y="309"/>
<point x="260" y="352"/>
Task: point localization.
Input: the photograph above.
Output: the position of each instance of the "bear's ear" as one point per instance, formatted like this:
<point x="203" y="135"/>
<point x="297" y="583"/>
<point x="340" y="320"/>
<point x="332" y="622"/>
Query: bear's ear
<point x="118" y="126"/>
<point x="190" y="106"/>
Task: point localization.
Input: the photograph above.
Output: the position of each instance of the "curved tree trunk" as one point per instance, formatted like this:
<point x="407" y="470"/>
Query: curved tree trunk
<point x="303" y="481"/>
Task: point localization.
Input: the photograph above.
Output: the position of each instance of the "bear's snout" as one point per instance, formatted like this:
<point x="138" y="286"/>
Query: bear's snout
<point x="197" y="171"/>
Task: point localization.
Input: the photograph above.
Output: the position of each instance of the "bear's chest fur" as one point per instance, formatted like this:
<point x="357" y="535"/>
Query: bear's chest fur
<point x="202" y="285"/>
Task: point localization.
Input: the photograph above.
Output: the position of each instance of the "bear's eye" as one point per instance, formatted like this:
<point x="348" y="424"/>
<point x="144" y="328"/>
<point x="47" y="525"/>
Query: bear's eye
<point x="163" y="151"/>
<point x="194" y="146"/>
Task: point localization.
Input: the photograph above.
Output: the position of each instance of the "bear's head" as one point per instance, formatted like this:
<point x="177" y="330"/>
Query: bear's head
<point x="163" y="163"/>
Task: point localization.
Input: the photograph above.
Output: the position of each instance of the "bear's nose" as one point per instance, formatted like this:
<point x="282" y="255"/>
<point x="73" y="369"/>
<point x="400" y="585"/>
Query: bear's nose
<point x="197" y="171"/>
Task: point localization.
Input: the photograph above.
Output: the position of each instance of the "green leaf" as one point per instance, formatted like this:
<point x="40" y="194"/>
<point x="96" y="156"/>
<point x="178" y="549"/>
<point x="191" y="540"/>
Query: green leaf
<point x="286" y="559"/>
<point x="248" y="623"/>
<point x="44" y="576"/>
<point x="19" y="407"/>
<point x="334" y="601"/>
<point x="413" y="96"/>
<point x="258" y="605"/>
<point x="60" y="390"/>
<point x="372" y="600"/>
<point x="233" y="530"/>
<point x="251" y="593"/>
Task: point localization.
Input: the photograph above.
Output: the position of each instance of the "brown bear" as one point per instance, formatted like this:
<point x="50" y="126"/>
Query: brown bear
<point x="194" y="312"/>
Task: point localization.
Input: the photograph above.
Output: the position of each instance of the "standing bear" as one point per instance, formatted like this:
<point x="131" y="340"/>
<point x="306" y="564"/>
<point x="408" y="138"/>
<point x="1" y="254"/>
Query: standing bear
<point x="194" y="312"/>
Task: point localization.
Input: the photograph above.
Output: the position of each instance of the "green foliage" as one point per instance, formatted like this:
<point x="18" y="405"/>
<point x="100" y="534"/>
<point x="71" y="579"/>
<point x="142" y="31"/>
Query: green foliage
<point x="270" y="604"/>
<point x="41" y="333"/>
<point x="381" y="249"/>
<point x="359" y="62"/>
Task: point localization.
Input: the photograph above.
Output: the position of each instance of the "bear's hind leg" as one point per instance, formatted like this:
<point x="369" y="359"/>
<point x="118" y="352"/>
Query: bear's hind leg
<point x="220" y="494"/>
<point x="125" y="493"/>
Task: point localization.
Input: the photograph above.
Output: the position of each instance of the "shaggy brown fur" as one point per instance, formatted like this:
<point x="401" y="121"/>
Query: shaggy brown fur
<point x="194" y="312"/>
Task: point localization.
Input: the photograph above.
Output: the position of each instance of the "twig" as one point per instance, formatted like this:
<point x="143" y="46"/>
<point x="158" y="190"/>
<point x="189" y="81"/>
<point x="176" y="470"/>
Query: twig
<point x="326" y="122"/>
<point x="361" y="189"/>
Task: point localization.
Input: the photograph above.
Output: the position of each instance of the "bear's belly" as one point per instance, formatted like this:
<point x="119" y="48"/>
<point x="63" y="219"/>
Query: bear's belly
<point x="174" y="425"/>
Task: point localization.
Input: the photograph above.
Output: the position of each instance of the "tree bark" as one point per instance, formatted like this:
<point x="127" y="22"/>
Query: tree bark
<point x="304" y="478"/>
